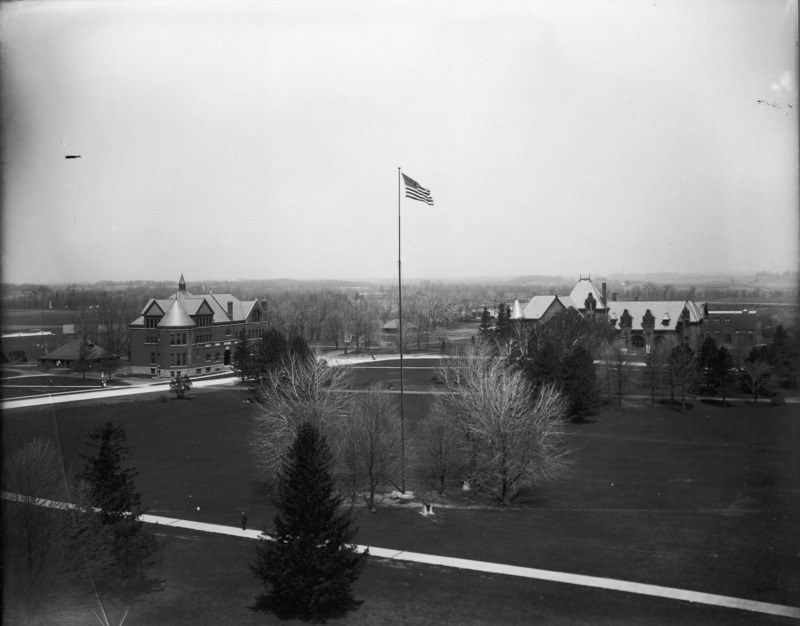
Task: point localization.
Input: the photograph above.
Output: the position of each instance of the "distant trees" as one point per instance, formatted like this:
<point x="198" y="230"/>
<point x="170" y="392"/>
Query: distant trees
<point x="309" y="563"/>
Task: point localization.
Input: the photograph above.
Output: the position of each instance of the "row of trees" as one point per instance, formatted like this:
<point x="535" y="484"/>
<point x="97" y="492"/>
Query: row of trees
<point x="61" y="536"/>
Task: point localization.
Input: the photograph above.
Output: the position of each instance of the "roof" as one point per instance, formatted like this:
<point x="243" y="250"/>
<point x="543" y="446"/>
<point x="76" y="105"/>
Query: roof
<point x="395" y="324"/>
<point x="667" y="313"/>
<point x="539" y="305"/>
<point x="178" y="310"/>
<point x="70" y="351"/>
<point x="176" y="317"/>
<point x="581" y="291"/>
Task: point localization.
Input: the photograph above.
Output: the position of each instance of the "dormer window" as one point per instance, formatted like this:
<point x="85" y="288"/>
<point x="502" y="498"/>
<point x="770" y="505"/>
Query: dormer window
<point x="666" y="320"/>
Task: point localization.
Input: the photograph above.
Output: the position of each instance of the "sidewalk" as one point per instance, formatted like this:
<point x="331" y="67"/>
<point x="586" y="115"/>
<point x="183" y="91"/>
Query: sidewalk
<point x="490" y="568"/>
<point x="159" y="386"/>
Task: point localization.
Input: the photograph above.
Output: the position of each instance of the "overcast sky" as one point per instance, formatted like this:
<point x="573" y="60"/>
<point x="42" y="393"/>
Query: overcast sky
<point x="262" y="139"/>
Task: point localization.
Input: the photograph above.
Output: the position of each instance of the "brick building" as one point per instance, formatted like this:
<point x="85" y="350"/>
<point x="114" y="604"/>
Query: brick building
<point x="191" y="334"/>
<point x="735" y="329"/>
<point x="639" y="324"/>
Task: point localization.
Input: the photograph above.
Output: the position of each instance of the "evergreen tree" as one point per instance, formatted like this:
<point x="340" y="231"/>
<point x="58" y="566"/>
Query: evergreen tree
<point x="486" y="321"/>
<point x="113" y="492"/>
<point x="272" y="350"/>
<point x="579" y="382"/>
<point x="705" y="362"/>
<point x="298" y="346"/>
<point x="723" y="370"/>
<point x="503" y="326"/>
<point x="310" y="564"/>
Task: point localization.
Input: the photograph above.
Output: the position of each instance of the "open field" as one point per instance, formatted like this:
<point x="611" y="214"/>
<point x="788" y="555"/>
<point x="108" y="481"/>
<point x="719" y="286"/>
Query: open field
<point x="707" y="500"/>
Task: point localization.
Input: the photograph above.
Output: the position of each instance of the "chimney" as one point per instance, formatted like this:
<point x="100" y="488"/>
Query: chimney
<point x="604" y="294"/>
<point x="230" y="309"/>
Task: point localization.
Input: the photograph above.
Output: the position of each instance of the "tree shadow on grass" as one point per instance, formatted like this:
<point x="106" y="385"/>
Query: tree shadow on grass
<point x="269" y="603"/>
<point x="130" y="590"/>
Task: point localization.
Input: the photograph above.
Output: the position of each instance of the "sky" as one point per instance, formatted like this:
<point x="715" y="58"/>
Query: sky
<point x="264" y="139"/>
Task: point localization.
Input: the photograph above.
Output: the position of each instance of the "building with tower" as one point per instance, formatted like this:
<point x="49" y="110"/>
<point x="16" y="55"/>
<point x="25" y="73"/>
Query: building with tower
<point x="191" y="334"/>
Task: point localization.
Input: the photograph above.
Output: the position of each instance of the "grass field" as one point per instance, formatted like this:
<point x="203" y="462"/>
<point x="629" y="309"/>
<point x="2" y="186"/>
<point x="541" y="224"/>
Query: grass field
<point x="705" y="500"/>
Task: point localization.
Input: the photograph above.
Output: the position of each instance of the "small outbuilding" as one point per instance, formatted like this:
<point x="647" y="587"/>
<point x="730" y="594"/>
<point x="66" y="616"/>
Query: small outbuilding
<point x="67" y="355"/>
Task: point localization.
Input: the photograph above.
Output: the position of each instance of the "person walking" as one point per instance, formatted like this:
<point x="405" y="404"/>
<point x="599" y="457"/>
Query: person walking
<point x="244" y="521"/>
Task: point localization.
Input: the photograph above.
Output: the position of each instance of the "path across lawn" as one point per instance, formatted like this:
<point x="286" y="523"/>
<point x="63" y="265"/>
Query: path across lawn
<point x="491" y="568"/>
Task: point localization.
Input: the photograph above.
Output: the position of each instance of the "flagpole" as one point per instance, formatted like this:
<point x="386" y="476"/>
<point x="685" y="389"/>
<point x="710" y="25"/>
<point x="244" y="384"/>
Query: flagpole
<point x="400" y="326"/>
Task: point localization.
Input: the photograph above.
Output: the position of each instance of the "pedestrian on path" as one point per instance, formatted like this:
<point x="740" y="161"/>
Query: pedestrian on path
<point x="244" y="521"/>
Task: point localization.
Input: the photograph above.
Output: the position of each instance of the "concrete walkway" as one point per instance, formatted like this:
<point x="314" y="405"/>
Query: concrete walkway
<point x="490" y="568"/>
<point x="111" y="392"/>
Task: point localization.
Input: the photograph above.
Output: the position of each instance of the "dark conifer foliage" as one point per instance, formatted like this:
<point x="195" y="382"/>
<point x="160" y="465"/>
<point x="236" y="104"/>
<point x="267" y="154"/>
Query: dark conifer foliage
<point x="113" y="491"/>
<point x="309" y="565"/>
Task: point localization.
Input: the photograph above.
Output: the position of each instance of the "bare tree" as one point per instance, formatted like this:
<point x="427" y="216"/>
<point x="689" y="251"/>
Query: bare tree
<point x="300" y="390"/>
<point x="756" y="376"/>
<point x="372" y="443"/>
<point x="617" y="370"/>
<point x="440" y="445"/>
<point x="653" y="373"/>
<point x="513" y="435"/>
<point x="52" y="543"/>
<point x="683" y="371"/>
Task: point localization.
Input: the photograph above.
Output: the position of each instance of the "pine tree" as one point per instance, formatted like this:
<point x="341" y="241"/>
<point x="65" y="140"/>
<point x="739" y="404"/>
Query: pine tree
<point x="113" y="492"/>
<point x="309" y="564"/>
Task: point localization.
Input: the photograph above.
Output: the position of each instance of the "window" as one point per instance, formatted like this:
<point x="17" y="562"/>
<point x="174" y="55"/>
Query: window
<point x="152" y="357"/>
<point x="216" y="358"/>
<point x="228" y="332"/>
<point x="727" y="320"/>
<point x="637" y="341"/>
<point x="171" y="360"/>
<point x="150" y="322"/>
<point x="727" y="339"/>
<point x="208" y="357"/>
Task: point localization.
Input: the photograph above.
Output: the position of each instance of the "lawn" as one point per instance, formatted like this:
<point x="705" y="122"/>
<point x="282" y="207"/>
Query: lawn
<point x="204" y="579"/>
<point x="705" y="500"/>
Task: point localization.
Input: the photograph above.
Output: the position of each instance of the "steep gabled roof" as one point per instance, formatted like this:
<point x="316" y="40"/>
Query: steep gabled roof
<point x="539" y="305"/>
<point x="581" y="291"/>
<point x="667" y="313"/>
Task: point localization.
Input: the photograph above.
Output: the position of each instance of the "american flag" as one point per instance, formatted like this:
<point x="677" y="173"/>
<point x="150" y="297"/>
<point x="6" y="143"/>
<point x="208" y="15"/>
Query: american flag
<point x="416" y="192"/>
